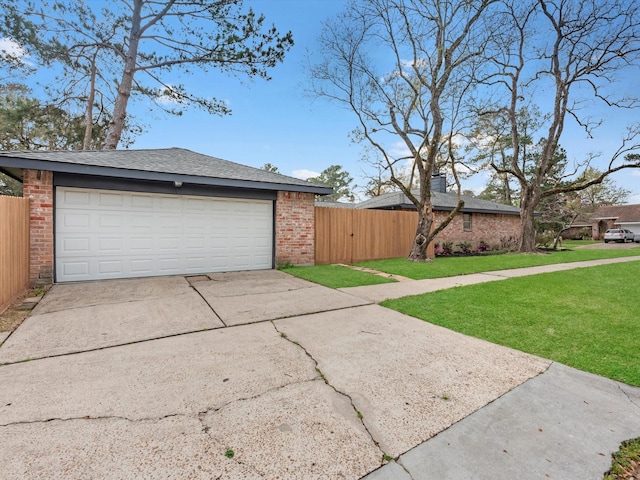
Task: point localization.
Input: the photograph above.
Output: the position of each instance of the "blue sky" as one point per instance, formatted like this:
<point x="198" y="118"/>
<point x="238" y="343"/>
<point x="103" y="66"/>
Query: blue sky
<point x="271" y="121"/>
<point x="275" y="122"/>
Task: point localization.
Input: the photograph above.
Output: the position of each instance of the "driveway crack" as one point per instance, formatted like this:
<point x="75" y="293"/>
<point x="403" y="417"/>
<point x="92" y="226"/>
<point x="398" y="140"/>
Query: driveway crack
<point x="208" y="304"/>
<point x="90" y="417"/>
<point x="629" y="397"/>
<point x="385" y="457"/>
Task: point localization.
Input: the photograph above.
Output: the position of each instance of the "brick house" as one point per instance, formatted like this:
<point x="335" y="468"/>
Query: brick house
<point x="613" y="216"/>
<point x="480" y="220"/>
<point x="133" y="213"/>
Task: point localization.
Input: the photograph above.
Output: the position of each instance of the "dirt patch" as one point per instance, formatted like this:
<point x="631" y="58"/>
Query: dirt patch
<point x="12" y="318"/>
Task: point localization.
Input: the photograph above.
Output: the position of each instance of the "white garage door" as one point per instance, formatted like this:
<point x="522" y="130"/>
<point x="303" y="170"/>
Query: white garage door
<point x="104" y="234"/>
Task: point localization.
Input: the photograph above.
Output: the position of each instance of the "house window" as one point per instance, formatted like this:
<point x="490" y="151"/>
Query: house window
<point x="466" y="222"/>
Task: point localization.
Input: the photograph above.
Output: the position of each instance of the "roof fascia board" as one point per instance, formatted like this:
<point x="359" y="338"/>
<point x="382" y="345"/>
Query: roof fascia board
<point x="439" y="208"/>
<point x="159" y="176"/>
<point x="9" y="174"/>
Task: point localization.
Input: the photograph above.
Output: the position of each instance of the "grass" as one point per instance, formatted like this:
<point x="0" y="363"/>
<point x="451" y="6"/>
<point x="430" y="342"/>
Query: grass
<point x="451" y="266"/>
<point x="336" y="276"/>
<point x="625" y="460"/>
<point x="578" y="243"/>
<point x="586" y="318"/>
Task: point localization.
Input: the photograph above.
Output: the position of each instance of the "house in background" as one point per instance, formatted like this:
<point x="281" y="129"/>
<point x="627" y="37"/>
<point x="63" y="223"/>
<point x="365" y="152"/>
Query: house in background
<point x="134" y="213"/>
<point x="480" y="220"/>
<point x="614" y="216"/>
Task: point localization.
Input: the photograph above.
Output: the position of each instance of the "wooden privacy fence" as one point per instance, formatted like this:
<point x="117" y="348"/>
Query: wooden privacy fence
<point x="347" y="235"/>
<point x="14" y="249"/>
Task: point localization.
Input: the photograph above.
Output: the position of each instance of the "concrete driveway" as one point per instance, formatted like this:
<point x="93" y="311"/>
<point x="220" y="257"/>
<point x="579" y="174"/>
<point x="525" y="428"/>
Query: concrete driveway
<point x="244" y="375"/>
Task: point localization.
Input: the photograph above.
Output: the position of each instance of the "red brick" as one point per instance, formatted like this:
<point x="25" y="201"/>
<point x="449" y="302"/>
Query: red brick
<point x="40" y="193"/>
<point x="294" y="228"/>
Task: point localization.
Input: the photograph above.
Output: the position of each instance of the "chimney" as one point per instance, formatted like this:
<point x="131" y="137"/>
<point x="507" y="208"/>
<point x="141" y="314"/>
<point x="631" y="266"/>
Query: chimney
<point x="439" y="182"/>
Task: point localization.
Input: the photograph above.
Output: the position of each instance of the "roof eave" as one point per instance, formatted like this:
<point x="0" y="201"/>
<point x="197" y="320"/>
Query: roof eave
<point x="448" y="209"/>
<point x="61" y="167"/>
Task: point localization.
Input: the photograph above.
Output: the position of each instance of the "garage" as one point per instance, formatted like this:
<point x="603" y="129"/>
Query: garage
<point x="102" y="234"/>
<point x="107" y="214"/>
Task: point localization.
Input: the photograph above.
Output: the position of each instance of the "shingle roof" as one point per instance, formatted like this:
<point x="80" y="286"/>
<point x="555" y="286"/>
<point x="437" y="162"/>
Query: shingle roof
<point x="320" y="203"/>
<point x="621" y="213"/>
<point x="156" y="163"/>
<point x="441" y="201"/>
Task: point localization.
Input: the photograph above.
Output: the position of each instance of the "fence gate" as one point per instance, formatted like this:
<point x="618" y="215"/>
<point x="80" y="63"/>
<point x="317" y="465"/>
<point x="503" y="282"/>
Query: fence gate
<point x="348" y="235"/>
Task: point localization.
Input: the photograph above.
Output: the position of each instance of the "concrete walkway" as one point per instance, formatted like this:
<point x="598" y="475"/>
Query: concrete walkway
<point x="386" y="291"/>
<point x="564" y="424"/>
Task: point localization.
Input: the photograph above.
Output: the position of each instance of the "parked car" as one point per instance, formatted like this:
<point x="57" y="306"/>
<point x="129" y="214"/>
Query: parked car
<point x="618" y="235"/>
<point x="636" y="238"/>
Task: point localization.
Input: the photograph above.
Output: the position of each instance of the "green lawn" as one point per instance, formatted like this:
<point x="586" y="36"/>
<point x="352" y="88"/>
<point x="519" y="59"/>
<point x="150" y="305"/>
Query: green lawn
<point x="578" y="243"/>
<point x="451" y="266"/>
<point x="336" y="276"/>
<point x="587" y="318"/>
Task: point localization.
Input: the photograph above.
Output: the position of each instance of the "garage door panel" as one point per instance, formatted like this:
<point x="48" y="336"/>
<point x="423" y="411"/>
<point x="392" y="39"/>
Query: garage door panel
<point x="140" y="201"/>
<point x="140" y="267"/>
<point x="111" y="266"/>
<point x="76" y="198"/>
<point x="109" y="221"/>
<point x="141" y="221"/>
<point x="110" y="245"/>
<point x="76" y="219"/>
<point x="103" y="234"/>
<point x="110" y="199"/>
<point x="77" y="268"/>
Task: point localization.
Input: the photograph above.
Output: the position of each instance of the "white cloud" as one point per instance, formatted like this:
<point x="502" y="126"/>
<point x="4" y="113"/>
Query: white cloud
<point x="635" y="172"/>
<point x="303" y="174"/>
<point x="9" y="47"/>
<point x="168" y="95"/>
<point x="634" y="199"/>
<point x="399" y="150"/>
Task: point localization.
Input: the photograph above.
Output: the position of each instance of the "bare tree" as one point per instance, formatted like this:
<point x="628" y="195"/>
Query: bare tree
<point x="564" y="56"/>
<point x="406" y="69"/>
<point x="142" y="41"/>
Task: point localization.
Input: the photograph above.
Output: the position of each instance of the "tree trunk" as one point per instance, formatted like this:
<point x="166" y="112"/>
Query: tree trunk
<point x="126" y="82"/>
<point x="421" y="241"/>
<point x="527" y="227"/>
<point x="528" y="232"/>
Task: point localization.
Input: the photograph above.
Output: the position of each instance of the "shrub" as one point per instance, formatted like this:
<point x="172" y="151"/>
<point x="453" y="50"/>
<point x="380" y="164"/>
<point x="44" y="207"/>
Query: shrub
<point x="465" y="247"/>
<point x="447" y="248"/>
<point x="483" y="246"/>
<point x="582" y="234"/>
<point x="437" y="250"/>
<point x="508" y="243"/>
<point x="545" y="238"/>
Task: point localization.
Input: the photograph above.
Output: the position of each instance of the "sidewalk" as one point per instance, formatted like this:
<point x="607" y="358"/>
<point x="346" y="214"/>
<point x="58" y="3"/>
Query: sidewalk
<point x="562" y="424"/>
<point x="386" y="291"/>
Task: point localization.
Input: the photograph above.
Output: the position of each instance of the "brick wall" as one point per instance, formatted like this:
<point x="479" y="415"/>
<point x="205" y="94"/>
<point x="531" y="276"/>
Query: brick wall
<point x="294" y="228"/>
<point x="492" y="229"/>
<point x="38" y="187"/>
